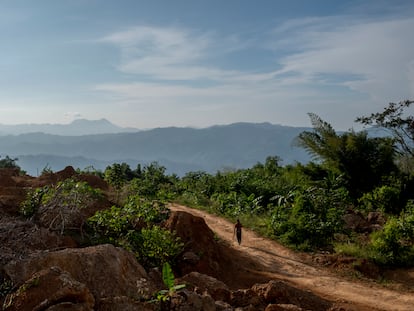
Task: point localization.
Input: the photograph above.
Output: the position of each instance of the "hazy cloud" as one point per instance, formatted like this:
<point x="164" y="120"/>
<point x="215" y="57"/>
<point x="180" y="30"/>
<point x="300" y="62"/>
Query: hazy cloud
<point x="321" y="65"/>
<point x="371" y="57"/>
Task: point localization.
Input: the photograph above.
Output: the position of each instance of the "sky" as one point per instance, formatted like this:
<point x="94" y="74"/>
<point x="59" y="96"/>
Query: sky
<point x="197" y="63"/>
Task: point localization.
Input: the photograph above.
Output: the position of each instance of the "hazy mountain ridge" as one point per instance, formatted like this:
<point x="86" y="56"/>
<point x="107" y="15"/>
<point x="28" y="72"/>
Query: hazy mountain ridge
<point x="238" y="145"/>
<point x="77" y="127"/>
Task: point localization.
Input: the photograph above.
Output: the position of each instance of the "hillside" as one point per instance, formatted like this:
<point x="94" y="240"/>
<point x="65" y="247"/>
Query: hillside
<point x="180" y="150"/>
<point x="44" y="268"/>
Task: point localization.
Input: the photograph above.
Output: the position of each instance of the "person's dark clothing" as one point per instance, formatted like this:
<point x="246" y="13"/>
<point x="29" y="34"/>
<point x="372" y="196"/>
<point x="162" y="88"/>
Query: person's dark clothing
<point x="238" y="229"/>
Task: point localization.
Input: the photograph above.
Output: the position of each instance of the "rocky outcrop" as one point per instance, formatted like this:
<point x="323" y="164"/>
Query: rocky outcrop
<point x="106" y="271"/>
<point x="50" y="289"/>
<point x="274" y="295"/>
<point x="203" y="284"/>
<point x="108" y="278"/>
<point x="202" y="251"/>
<point x="279" y="292"/>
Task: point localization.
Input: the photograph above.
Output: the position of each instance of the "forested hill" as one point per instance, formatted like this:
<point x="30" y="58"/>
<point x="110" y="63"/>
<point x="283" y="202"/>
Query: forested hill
<point x="180" y="150"/>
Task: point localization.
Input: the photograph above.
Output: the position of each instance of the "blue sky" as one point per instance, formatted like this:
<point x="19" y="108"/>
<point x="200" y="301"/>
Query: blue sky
<point x="154" y="63"/>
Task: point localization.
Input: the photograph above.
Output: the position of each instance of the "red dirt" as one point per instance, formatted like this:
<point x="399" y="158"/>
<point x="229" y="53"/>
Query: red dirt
<point x="259" y="260"/>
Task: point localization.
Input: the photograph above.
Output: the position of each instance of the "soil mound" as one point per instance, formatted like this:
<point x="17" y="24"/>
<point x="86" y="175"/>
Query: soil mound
<point x="47" y="270"/>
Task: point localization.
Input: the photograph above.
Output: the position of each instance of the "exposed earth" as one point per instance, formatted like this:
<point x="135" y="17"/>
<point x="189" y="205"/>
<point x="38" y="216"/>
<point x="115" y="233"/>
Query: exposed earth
<point x="43" y="269"/>
<point x="259" y="259"/>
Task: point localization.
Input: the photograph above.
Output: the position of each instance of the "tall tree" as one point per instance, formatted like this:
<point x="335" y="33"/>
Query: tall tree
<point x="361" y="160"/>
<point x="398" y="121"/>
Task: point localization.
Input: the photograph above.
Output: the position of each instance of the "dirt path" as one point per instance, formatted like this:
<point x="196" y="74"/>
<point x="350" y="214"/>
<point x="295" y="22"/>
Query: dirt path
<point x="284" y="264"/>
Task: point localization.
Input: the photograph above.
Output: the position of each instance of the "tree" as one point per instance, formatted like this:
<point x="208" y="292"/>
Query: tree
<point x="8" y="162"/>
<point x="361" y="160"/>
<point x="395" y="119"/>
<point x="320" y="141"/>
<point x="117" y="174"/>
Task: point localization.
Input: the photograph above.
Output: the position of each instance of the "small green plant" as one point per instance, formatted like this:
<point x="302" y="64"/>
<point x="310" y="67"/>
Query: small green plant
<point x="46" y="170"/>
<point x="32" y="202"/>
<point x="164" y="296"/>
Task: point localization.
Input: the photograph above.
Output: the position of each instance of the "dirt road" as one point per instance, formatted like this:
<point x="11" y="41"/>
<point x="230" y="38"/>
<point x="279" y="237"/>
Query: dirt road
<point x="284" y="264"/>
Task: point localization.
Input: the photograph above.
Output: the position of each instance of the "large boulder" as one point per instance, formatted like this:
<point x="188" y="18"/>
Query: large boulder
<point x="206" y="284"/>
<point x="107" y="271"/>
<point x="279" y="292"/>
<point x="50" y="289"/>
<point x="199" y="240"/>
<point x="21" y="238"/>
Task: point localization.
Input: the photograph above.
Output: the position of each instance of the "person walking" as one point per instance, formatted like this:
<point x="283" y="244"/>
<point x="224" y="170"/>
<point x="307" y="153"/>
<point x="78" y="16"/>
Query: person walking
<point x="238" y="231"/>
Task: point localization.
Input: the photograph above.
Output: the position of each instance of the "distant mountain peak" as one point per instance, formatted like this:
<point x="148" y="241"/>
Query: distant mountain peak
<point x="77" y="127"/>
<point x="87" y="121"/>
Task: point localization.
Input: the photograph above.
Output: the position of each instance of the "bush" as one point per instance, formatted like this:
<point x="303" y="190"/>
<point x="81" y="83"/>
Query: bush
<point x="158" y="246"/>
<point x="394" y="244"/>
<point x="32" y="202"/>
<point x="59" y="207"/>
<point x="134" y="227"/>
<point x="384" y="198"/>
<point x="311" y="220"/>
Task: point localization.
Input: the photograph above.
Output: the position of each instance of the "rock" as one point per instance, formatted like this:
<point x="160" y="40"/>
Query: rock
<point x="283" y="307"/>
<point x="123" y="303"/>
<point x="21" y="238"/>
<point x="191" y="258"/>
<point x="187" y="300"/>
<point x="51" y="289"/>
<point x="279" y="292"/>
<point x="356" y="222"/>
<point x="53" y="178"/>
<point x="204" y="283"/>
<point x="223" y="306"/>
<point x="245" y="298"/>
<point x="198" y="239"/>
<point x="368" y="268"/>
<point x="376" y="218"/>
<point x="106" y="270"/>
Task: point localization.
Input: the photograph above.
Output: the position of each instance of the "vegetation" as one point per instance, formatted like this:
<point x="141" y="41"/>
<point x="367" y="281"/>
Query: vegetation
<point x="8" y="162"/>
<point x="164" y="296"/>
<point x="59" y="206"/>
<point x="135" y="226"/>
<point x="301" y="205"/>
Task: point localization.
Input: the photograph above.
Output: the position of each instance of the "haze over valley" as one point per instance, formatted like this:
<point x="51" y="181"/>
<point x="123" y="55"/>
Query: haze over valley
<point x="180" y="150"/>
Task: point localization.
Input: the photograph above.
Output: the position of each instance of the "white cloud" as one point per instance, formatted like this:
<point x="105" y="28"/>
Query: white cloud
<point x="338" y="67"/>
<point x="162" y="53"/>
<point x="378" y="53"/>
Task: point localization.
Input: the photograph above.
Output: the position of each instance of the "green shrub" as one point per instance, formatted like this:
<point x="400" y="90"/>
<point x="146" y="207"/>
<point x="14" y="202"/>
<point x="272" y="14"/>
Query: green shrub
<point x="311" y="221"/>
<point x="157" y="246"/>
<point x="32" y="202"/>
<point x="59" y="206"/>
<point x="134" y="227"/>
<point x="384" y="198"/>
<point x="394" y="244"/>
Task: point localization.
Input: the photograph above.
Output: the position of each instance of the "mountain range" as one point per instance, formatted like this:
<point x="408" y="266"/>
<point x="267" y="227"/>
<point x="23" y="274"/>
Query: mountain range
<point x="99" y="143"/>
<point x="77" y="127"/>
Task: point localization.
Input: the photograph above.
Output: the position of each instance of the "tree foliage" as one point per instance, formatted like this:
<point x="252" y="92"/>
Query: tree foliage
<point x="363" y="161"/>
<point x="8" y="162"/>
<point x="400" y="123"/>
<point x="394" y="243"/>
<point x="310" y="218"/>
